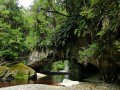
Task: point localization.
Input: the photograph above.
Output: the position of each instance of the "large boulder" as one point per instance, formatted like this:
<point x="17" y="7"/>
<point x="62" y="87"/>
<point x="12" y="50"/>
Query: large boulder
<point x="20" y="71"/>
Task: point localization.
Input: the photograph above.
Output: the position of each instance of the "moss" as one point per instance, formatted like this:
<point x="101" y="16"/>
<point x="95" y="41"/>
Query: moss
<point x="3" y="70"/>
<point x="20" y="71"/>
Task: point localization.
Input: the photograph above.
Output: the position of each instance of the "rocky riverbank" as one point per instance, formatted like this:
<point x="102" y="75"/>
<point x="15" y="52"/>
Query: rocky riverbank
<point x="81" y="86"/>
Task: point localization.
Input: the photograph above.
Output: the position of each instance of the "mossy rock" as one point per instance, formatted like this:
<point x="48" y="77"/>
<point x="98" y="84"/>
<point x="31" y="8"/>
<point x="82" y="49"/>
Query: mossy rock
<point x="3" y="70"/>
<point x="20" y="71"/>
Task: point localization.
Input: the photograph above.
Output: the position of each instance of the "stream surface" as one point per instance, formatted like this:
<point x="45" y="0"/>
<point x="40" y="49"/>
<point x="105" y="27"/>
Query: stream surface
<point x="48" y="80"/>
<point x="52" y="80"/>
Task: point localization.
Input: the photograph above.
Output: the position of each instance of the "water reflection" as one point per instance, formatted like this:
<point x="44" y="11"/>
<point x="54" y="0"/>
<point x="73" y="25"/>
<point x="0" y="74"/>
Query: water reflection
<point x="49" y="80"/>
<point x="14" y="82"/>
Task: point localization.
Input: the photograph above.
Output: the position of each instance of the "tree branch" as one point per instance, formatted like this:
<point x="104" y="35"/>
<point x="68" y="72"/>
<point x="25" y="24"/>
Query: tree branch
<point x="85" y="3"/>
<point x="55" y="12"/>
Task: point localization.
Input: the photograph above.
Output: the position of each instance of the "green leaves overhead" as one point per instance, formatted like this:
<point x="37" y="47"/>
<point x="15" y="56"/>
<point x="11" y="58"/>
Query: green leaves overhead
<point x="89" y="13"/>
<point x="105" y="26"/>
<point x="61" y="24"/>
<point x="88" y="52"/>
<point x="12" y="42"/>
<point x="94" y="2"/>
<point x="95" y="23"/>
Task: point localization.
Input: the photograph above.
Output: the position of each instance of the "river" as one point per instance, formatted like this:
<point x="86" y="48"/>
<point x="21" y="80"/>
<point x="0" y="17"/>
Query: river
<point x="53" y="80"/>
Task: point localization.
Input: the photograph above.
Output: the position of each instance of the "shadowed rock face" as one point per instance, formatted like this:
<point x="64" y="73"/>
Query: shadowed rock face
<point x="109" y="70"/>
<point x="36" y="58"/>
<point x="86" y="71"/>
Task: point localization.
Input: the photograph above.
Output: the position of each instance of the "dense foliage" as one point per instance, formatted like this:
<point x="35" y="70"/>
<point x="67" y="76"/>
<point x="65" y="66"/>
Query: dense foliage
<point x="81" y="30"/>
<point x="11" y="31"/>
<point x="93" y="28"/>
<point x="95" y="25"/>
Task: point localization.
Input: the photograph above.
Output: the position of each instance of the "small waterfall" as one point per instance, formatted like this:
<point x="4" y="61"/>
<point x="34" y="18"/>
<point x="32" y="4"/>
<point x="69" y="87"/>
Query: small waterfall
<point x="66" y="69"/>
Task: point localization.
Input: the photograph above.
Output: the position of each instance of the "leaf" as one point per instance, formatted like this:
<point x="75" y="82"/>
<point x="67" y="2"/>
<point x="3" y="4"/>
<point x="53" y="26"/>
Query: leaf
<point x="78" y="35"/>
<point x="93" y="2"/>
<point x="75" y="31"/>
<point x="101" y="33"/>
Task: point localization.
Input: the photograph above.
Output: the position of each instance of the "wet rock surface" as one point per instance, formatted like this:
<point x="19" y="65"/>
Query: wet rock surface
<point x="81" y="86"/>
